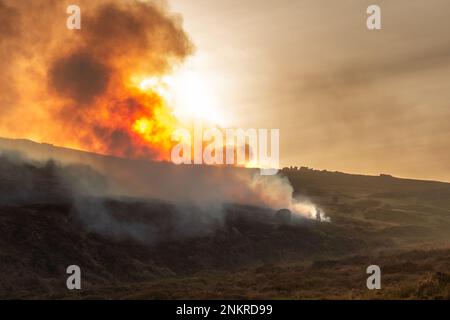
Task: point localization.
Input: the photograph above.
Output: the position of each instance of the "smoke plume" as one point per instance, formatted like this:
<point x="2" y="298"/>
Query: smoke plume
<point x="77" y="89"/>
<point x="73" y="87"/>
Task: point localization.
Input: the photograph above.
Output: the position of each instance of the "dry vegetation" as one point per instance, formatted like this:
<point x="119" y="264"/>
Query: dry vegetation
<point x="401" y="225"/>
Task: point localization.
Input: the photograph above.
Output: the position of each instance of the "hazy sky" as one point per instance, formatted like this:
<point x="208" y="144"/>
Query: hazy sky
<point x="345" y="98"/>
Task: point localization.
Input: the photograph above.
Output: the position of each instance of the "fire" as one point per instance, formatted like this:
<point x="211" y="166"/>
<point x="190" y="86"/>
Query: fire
<point x="142" y="126"/>
<point x="124" y="86"/>
<point x="177" y="100"/>
<point x="76" y="91"/>
<point x="130" y="120"/>
<point x="157" y="129"/>
<point x="156" y="122"/>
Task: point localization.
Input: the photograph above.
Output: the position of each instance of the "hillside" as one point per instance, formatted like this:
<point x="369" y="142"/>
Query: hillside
<point x="151" y="248"/>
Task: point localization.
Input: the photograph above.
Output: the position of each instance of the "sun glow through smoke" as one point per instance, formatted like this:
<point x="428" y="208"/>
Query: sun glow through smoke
<point x="189" y="94"/>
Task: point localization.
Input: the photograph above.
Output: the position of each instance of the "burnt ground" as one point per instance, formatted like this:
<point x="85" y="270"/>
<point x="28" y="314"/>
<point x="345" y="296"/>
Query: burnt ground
<point x="242" y="252"/>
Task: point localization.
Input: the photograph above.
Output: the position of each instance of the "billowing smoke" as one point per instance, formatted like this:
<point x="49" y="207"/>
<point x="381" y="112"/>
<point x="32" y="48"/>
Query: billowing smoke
<point x="276" y="192"/>
<point x="195" y="197"/>
<point x="74" y="87"/>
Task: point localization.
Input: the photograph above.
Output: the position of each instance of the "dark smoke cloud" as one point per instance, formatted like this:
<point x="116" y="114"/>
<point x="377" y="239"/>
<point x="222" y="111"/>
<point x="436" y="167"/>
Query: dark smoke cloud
<point x="52" y="77"/>
<point x="79" y="77"/>
<point x="117" y="139"/>
<point x="114" y="36"/>
<point x="136" y="28"/>
<point x="9" y="27"/>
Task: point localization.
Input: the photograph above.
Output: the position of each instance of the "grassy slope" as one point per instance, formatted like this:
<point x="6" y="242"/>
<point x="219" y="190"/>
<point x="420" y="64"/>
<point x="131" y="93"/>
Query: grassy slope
<point x="401" y="225"/>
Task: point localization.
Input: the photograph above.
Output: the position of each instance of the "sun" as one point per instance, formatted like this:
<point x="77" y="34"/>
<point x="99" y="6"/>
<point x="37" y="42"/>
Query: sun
<point x="189" y="93"/>
<point x="194" y="97"/>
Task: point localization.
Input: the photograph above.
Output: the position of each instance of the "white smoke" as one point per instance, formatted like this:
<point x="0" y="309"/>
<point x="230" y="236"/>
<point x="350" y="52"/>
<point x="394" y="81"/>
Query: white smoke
<point x="199" y="194"/>
<point x="276" y="192"/>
